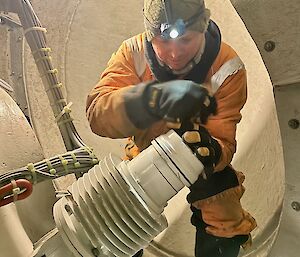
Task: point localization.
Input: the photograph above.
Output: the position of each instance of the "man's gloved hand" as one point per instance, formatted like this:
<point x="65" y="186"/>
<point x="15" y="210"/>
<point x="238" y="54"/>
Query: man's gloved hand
<point x="205" y="147"/>
<point x="179" y="100"/>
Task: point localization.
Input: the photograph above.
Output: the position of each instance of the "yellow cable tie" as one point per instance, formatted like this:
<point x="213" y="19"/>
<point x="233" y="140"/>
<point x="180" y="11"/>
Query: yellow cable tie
<point x="51" y="168"/>
<point x="35" y="29"/>
<point x="95" y="161"/>
<point x="58" y="85"/>
<point x="91" y="154"/>
<point x="66" y="109"/>
<point x="77" y="165"/>
<point x="15" y="190"/>
<point x="89" y="150"/>
<point x="48" y="163"/>
<point x="52" y="171"/>
<point x="31" y="168"/>
<point x="43" y="49"/>
<point x="54" y="71"/>
<point x="76" y="162"/>
<point x="64" y="162"/>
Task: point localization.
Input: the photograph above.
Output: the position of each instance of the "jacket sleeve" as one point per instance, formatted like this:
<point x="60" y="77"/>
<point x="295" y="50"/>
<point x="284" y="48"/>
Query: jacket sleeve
<point x="231" y="98"/>
<point x="105" y="106"/>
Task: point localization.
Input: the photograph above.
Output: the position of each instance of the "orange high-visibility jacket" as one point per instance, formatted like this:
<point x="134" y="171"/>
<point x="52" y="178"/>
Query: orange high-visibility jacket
<point x="128" y="67"/>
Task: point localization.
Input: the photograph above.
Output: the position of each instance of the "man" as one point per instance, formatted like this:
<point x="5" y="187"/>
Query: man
<point x="178" y="74"/>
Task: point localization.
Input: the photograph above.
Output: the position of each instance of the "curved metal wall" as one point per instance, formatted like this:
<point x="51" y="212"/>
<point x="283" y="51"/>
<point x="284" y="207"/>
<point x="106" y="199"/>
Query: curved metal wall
<point x="85" y="33"/>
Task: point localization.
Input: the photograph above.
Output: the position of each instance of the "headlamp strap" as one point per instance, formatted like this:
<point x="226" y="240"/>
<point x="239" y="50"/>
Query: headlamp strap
<point x="168" y="11"/>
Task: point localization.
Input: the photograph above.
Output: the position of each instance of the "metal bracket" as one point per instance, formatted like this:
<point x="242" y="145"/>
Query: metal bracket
<point x="16" y="65"/>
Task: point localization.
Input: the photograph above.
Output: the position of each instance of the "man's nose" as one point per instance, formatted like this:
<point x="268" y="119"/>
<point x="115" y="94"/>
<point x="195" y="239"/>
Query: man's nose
<point x="175" y="49"/>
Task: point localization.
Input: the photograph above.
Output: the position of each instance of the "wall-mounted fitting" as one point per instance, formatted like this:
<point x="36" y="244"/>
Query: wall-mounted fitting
<point x="294" y="123"/>
<point x="296" y="206"/>
<point x="68" y="209"/>
<point x="269" y="46"/>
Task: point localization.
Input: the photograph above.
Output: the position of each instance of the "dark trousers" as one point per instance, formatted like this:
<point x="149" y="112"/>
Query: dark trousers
<point x="207" y="245"/>
<point x="212" y="246"/>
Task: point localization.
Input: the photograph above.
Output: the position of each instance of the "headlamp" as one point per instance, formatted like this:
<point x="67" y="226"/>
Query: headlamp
<point x="168" y="31"/>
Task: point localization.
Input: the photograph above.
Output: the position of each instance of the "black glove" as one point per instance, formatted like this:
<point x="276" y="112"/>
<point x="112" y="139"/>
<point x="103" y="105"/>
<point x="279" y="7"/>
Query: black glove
<point x="174" y="101"/>
<point x="206" y="148"/>
<point x="179" y="100"/>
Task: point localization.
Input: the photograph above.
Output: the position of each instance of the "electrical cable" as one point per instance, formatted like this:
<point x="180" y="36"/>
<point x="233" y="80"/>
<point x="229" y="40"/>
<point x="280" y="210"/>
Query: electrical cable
<point x="77" y="161"/>
<point x="79" y="158"/>
<point x="35" y="36"/>
<point x="16" y="190"/>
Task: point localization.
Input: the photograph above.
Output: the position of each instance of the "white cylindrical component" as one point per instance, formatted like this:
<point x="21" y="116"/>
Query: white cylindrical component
<point x="162" y="170"/>
<point x="116" y="208"/>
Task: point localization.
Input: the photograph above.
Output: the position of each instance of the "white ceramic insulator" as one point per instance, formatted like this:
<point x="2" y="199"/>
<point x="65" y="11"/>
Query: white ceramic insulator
<point x="117" y="207"/>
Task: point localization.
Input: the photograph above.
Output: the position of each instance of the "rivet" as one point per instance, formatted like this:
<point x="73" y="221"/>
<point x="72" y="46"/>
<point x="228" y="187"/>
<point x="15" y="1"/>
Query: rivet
<point x="68" y="209"/>
<point x="296" y="206"/>
<point x="95" y="252"/>
<point x="294" y="123"/>
<point x="269" y="46"/>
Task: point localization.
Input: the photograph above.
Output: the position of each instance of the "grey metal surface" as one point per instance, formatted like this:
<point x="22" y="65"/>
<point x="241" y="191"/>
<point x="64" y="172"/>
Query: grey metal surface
<point x="274" y="26"/>
<point x="287" y="243"/>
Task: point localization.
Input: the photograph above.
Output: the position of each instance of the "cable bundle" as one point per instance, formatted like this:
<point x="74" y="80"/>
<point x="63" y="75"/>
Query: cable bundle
<point x="77" y="161"/>
<point x="17" y="184"/>
<point x="35" y="36"/>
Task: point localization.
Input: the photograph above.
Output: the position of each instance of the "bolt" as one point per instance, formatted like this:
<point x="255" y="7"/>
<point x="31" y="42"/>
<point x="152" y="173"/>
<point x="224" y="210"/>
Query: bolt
<point x="19" y="39"/>
<point x="12" y="73"/>
<point x="68" y="209"/>
<point x="269" y="46"/>
<point x="296" y="206"/>
<point x="294" y="123"/>
<point x="20" y="76"/>
<point x="95" y="252"/>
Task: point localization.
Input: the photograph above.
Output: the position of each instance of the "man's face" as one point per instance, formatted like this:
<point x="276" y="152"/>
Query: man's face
<point x="177" y="53"/>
